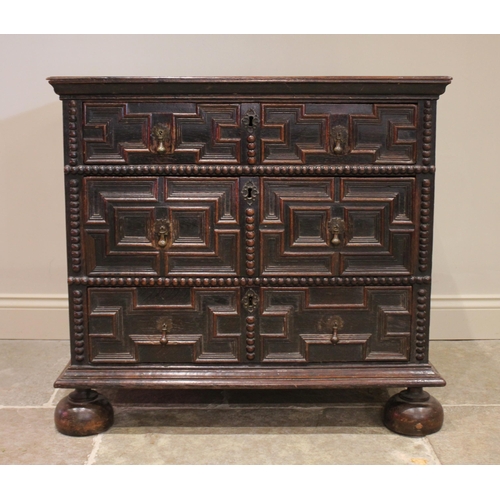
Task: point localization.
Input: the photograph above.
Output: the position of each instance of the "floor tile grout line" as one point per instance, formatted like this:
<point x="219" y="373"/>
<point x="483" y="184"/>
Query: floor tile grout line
<point x="50" y="402"/>
<point x="95" y="449"/>
<point x="25" y="407"/>
<point x="466" y="405"/>
<point x="433" y="451"/>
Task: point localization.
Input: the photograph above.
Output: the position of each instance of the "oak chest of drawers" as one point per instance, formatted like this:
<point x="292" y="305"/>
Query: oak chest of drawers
<point x="249" y="233"/>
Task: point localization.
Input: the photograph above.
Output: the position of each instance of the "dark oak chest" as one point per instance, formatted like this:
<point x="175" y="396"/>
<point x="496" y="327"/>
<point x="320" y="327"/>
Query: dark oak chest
<point x="249" y="233"/>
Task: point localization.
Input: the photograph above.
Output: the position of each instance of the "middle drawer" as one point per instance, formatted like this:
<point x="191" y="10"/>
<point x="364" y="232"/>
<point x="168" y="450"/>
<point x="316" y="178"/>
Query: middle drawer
<point x="230" y="227"/>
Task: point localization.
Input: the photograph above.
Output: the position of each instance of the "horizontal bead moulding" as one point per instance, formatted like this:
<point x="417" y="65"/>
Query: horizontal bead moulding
<point x="268" y="281"/>
<point x="249" y="170"/>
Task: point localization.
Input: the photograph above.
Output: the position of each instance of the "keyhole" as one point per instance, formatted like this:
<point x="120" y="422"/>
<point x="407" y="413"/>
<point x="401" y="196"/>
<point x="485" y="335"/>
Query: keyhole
<point x="250" y="121"/>
<point x="250" y="301"/>
<point x="249" y="193"/>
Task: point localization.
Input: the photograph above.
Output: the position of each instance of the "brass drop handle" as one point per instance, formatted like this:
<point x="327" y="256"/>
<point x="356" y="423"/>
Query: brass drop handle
<point x="339" y="146"/>
<point x="164" y="230"/>
<point x="336" y="231"/>
<point x="163" y="234"/>
<point x="337" y="324"/>
<point x="163" y="138"/>
<point x="164" y="330"/>
<point x="335" y="332"/>
<point x="338" y="140"/>
<point x="337" y="227"/>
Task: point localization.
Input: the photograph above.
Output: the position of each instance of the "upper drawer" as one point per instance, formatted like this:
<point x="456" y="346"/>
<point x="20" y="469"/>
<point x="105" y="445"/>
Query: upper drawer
<point x="296" y="133"/>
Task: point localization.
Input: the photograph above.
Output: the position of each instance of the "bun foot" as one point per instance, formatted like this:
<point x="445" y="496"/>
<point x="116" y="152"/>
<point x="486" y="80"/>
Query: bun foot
<point x="413" y="412"/>
<point x="83" y="413"/>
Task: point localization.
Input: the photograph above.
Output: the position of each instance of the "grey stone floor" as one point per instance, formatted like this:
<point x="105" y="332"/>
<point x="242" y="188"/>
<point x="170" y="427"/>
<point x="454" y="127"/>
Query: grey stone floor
<point x="251" y="427"/>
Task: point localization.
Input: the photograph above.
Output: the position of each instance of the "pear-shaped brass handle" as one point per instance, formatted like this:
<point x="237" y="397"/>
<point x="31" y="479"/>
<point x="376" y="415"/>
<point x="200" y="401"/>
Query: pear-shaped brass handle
<point x="164" y="231"/>
<point x="162" y="138"/>
<point x="164" y="330"/>
<point x="337" y="324"/>
<point x="337" y="228"/>
<point x="338" y="140"/>
<point x="166" y="326"/>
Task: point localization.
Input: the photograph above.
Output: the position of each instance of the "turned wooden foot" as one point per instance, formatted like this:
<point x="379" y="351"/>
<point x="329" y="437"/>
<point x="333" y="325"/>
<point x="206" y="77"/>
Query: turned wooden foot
<point x="83" y="413"/>
<point x="413" y="412"/>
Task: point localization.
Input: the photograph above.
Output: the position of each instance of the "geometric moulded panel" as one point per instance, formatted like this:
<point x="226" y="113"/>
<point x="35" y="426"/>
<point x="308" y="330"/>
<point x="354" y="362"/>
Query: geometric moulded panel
<point x="160" y="226"/>
<point x="388" y="135"/>
<point x="320" y="324"/>
<point x="152" y="325"/>
<point x="326" y="133"/>
<point x="376" y="226"/>
<point x="126" y="133"/>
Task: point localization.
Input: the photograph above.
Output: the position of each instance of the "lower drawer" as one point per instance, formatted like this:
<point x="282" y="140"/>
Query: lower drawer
<point x="265" y="325"/>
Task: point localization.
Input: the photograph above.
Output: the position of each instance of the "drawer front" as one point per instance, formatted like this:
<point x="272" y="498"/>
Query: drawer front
<point x="354" y="133"/>
<point x="263" y="325"/>
<point x="164" y="325"/>
<point x="159" y="226"/>
<point x="207" y="133"/>
<point x="338" y="226"/>
<point x="155" y="132"/>
<point x="336" y="324"/>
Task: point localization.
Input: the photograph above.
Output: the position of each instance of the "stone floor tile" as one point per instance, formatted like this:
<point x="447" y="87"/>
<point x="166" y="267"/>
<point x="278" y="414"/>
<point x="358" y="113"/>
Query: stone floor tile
<point x="164" y="398"/>
<point x="28" y="437"/>
<point x="259" y="446"/>
<point x="267" y="398"/>
<point x="469" y="436"/>
<point x="471" y="369"/>
<point x="339" y="419"/>
<point x="353" y="420"/>
<point x="308" y="397"/>
<point x="28" y="369"/>
<point x="136" y="420"/>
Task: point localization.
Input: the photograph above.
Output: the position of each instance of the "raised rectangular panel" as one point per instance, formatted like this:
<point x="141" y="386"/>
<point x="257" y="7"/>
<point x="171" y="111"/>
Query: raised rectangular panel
<point x="162" y="325"/>
<point x="387" y="135"/>
<point x="125" y="133"/>
<point x="377" y="237"/>
<point x="380" y="226"/>
<point x="206" y="232"/>
<point x="307" y="133"/>
<point x="297" y="325"/>
<point x="121" y="234"/>
<point x="211" y="133"/>
<point x="289" y="133"/>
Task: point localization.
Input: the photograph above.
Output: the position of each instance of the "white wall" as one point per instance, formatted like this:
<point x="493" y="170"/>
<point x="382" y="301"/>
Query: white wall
<point x="466" y="289"/>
